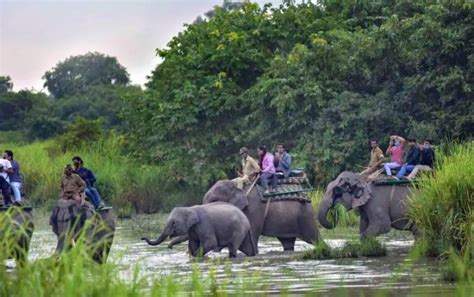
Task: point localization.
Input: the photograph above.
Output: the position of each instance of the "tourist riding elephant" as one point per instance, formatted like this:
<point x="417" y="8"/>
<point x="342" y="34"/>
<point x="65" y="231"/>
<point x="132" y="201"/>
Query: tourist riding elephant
<point x="381" y="207"/>
<point x="286" y="220"/>
<point x="209" y="227"/>
<point x="70" y="220"/>
<point x="16" y="231"/>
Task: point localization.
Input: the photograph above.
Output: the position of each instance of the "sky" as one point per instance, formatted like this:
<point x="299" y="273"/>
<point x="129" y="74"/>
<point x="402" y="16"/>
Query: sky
<point x="37" y="34"/>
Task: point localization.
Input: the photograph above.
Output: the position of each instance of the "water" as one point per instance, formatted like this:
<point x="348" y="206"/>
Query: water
<point x="274" y="269"/>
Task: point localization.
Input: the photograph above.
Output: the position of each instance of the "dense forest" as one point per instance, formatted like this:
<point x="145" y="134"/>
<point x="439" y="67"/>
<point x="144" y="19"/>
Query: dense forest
<point x="322" y="78"/>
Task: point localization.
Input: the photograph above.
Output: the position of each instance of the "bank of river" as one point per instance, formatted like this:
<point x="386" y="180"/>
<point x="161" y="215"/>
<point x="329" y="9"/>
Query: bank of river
<point x="273" y="269"/>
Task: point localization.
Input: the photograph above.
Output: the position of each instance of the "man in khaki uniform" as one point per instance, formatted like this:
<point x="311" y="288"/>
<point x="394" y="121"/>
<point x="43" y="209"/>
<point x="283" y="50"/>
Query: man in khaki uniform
<point x="250" y="169"/>
<point x="376" y="159"/>
<point x="72" y="185"/>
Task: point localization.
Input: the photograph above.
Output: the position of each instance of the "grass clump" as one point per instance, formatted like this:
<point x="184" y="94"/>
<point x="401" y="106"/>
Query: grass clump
<point x="369" y="247"/>
<point x="443" y="211"/>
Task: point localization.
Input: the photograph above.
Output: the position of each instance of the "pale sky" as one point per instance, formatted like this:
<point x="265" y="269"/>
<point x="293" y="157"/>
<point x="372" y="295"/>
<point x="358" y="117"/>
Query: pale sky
<point x="36" y="34"/>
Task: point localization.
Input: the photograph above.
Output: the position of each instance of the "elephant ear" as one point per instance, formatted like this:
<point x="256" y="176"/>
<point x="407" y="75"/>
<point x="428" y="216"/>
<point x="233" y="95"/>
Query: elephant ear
<point x="191" y="219"/>
<point x="238" y="198"/>
<point x="361" y="192"/>
<point x="330" y="189"/>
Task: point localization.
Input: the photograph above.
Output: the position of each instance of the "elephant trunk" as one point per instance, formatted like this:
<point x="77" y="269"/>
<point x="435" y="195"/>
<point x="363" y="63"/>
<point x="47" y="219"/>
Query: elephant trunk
<point x="324" y="207"/>
<point x="159" y="240"/>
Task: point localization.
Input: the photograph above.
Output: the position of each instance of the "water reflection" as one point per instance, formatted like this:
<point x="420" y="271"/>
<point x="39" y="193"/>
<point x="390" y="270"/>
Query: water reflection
<point x="277" y="269"/>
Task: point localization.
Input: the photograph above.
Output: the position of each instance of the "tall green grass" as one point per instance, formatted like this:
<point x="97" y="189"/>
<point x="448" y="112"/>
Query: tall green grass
<point x="122" y="182"/>
<point x="443" y="211"/>
<point x="338" y="214"/>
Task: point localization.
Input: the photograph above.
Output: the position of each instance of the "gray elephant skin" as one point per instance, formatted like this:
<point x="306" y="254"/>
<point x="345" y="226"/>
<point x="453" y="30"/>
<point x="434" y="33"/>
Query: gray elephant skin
<point x="381" y="207"/>
<point x="209" y="227"/>
<point x="285" y="220"/>
<point x="69" y="220"/>
<point x="17" y="229"/>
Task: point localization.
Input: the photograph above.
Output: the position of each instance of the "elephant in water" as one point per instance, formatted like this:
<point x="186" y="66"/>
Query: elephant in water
<point x="209" y="227"/>
<point x="381" y="207"/>
<point x="16" y="229"/>
<point x="286" y="220"/>
<point x="70" y="220"/>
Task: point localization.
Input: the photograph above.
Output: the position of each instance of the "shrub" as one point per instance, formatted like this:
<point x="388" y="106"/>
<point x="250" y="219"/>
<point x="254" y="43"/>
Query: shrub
<point x="443" y="208"/>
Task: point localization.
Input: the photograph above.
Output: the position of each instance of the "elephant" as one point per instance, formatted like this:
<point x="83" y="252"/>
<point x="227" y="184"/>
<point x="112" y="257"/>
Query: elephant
<point x="381" y="207"/>
<point x="209" y="227"/>
<point x="16" y="232"/>
<point x="285" y="220"/>
<point x="70" y="220"/>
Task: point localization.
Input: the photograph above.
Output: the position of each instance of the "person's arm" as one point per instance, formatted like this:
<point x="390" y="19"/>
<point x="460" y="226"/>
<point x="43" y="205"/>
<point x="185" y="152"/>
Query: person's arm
<point x="8" y="168"/>
<point x="81" y="184"/>
<point x="254" y="165"/>
<point x="286" y="161"/>
<point x="388" y="152"/>
<point x="399" y="138"/>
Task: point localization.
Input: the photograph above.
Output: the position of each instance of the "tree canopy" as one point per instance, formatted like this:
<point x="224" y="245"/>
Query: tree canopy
<point x="75" y="74"/>
<point x="323" y="78"/>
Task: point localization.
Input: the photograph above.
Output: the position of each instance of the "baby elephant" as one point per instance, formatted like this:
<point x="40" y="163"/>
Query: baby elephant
<point x="210" y="227"/>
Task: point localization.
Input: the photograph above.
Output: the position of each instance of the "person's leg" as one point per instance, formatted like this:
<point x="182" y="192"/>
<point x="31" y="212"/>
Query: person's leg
<point x="16" y="186"/>
<point x="92" y="196"/>
<point x="389" y="166"/>
<point x="97" y="195"/>
<point x="417" y="169"/>
<point x="402" y="171"/>
<point x="5" y="192"/>
<point x="264" y="180"/>
<point x="274" y="181"/>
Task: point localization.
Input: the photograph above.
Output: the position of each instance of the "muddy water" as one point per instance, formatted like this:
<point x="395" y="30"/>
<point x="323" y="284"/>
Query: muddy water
<point x="275" y="270"/>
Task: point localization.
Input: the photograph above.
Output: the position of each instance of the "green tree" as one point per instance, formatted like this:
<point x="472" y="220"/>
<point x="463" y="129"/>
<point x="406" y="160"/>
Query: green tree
<point x="6" y="85"/>
<point x="73" y="75"/>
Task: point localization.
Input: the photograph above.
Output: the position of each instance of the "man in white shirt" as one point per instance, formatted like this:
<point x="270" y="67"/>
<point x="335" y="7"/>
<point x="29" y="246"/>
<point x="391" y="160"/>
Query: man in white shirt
<point x="5" y="168"/>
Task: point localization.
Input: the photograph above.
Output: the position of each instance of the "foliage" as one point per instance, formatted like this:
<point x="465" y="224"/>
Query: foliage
<point x="338" y="215"/>
<point x="127" y="185"/>
<point x="6" y="84"/>
<point x="368" y="247"/>
<point x="73" y="75"/>
<point x="323" y="78"/>
<point x="79" y="134"/>
<point x="443" y="207"/>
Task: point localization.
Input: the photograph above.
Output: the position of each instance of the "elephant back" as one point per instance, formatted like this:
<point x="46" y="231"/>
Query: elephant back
<point x="67" y="214"/>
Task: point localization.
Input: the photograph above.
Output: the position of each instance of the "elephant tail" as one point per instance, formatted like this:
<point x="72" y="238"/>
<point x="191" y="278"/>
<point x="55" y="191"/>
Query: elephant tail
<point x="254" y="250"/>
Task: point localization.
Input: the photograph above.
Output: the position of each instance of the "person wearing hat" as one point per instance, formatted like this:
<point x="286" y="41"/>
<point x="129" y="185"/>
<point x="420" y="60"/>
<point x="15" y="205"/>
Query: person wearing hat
<point x="250" y="169"/>
<point x="89" y="178"/>
<point x="72" y="185"/>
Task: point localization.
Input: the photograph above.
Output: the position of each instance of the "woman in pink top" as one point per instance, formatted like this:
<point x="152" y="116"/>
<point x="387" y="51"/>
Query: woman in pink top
<point x="268" y="169"/>
<point x="395" y="151"/>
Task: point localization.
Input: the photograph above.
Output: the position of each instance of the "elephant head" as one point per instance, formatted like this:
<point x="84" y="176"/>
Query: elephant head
<point x="180" y="220"/>
<point x="69" y="221"/>
<point x="349" y="189"/>
<point x="226" y="191"/>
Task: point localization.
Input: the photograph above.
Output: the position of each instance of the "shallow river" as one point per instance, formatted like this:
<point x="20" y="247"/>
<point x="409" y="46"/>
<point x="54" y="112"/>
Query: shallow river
<point x="274" y="268"/>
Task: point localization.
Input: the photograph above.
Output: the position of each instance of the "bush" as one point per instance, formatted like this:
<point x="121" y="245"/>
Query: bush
<point x="122" y="181"/>
<point x="443" y="208"/>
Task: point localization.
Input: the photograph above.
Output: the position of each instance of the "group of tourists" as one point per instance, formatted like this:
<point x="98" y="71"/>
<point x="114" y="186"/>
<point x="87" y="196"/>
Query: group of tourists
<point x="78" y="182"/>
<point x="10" y="179"/>
<point x="268" y="167"/>
<point x="406" y="156"/>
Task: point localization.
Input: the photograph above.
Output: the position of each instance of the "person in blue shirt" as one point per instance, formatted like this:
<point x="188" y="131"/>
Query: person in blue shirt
<point x="89" y="179"/>
<point x="282" y="160"/>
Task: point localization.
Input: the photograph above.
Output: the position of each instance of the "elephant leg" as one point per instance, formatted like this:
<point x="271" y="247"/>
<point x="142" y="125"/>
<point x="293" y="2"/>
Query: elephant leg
<point x="177" y="240"/>
<point x="309" y="231"/>
<point x="376" y="228"/>
<point x="364" y="223"/>
<point x="193" y="247"/>
<point x="288" y="243"/>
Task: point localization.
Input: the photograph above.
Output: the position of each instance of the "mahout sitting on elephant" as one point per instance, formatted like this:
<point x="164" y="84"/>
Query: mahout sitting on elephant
<point x="381" y="207"/>
<point x="71" y="219"/>
<point x="286" y="219"/>
<point x="209" y="227"/>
